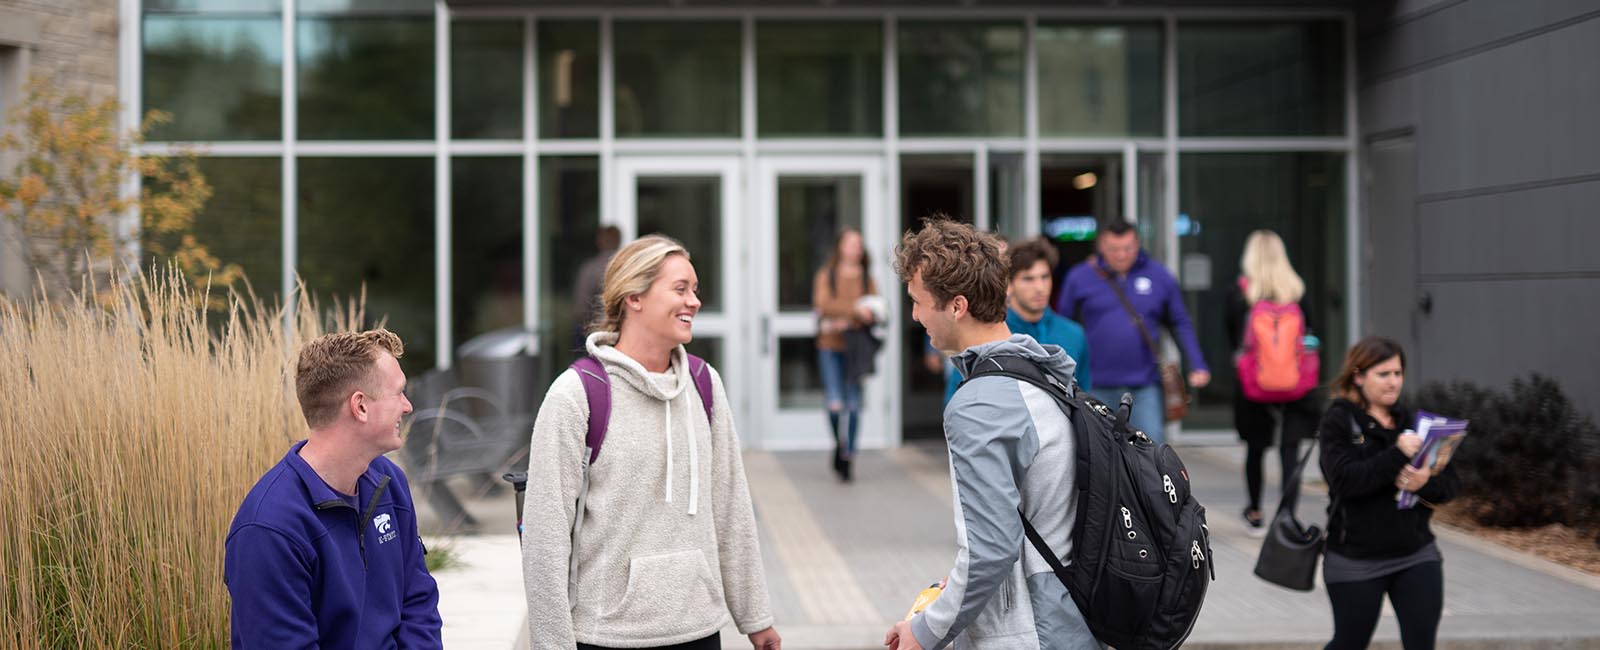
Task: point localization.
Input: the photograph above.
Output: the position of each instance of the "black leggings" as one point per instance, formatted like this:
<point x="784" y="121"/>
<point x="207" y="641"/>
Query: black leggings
<point x="1417" y="594"/>
<point x="1256" y="423"/>
<point x="713" y="642"/>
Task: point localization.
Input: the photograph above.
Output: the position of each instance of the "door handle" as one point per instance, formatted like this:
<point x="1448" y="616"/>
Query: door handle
<point x="1425" y="303"/>
<point x="766" y="335"/>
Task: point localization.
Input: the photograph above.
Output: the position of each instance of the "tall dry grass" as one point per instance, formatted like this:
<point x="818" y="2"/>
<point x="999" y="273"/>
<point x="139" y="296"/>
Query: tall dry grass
<point x="131" y="426"/>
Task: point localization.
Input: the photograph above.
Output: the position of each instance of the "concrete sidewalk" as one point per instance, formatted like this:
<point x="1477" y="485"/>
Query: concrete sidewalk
<point x="844" y="561"/>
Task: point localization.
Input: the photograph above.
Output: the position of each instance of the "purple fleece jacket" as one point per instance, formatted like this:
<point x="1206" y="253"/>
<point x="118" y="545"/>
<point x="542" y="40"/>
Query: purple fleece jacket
<point x="1118" y="355"/>
<point x="308" y="567"/>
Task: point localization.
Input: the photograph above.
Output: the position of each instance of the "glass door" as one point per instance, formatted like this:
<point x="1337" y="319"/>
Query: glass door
<point x="693" y="200"/>
<point x="803" y="203"/>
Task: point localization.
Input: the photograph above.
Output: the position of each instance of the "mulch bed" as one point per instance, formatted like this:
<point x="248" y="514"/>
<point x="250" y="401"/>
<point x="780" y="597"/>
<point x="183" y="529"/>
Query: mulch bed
<point x="1556" y="542"/>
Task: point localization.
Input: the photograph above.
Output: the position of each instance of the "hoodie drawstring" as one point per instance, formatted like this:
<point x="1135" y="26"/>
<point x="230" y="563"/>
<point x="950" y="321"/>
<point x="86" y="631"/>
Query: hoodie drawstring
<point x="694" y="455"/>
<point x="667" y="407"/>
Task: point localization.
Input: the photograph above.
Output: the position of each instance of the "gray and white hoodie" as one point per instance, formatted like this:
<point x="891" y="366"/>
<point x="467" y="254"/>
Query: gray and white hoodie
<point x="1010" y="446"/>
<point x="668" y="548"/>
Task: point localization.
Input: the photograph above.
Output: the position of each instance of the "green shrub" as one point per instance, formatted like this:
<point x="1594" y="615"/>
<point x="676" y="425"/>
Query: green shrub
<point x="1530" y="457"/>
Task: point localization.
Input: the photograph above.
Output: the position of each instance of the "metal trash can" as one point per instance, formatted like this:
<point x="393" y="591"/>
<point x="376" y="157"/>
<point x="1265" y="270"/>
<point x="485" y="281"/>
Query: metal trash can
<point x="504" y="363"/>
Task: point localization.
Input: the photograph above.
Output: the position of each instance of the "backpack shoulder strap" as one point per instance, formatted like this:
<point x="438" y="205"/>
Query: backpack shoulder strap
<point x="597" y="388"/>
<point x="700" y="372"/>
<point x="1022" y="369"/>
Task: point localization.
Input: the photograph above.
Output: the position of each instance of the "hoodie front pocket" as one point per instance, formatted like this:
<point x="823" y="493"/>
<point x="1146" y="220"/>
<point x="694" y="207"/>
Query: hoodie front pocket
<point x="667" y="594"/>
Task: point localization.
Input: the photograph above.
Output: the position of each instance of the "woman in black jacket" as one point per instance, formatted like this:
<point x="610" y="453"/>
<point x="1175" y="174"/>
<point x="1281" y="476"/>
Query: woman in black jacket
<point x="1373" y="547"/>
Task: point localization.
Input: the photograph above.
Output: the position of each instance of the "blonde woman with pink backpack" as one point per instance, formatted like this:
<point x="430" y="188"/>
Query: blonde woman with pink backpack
<point x="1276" y="365"/>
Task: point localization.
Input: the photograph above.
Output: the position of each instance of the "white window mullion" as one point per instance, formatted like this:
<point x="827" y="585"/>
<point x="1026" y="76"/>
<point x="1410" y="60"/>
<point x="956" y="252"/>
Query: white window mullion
<point x="1352" y="185"/>
<point x="441" y="184"/>
<point x="530" y="179"/>
<point x="129" y="64"/>
<point x="891" y="205"/>
<point x="1130" y="182"/>
<point x="1030" y="124"/>
<point x="290" y="192"/>
<point x="980" y="189"/>
<point x="608" y="132"/>
<point x="1169" y="74"/>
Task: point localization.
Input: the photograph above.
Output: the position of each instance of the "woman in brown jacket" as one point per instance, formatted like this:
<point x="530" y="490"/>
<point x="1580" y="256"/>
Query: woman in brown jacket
<point x="835" y="290"/>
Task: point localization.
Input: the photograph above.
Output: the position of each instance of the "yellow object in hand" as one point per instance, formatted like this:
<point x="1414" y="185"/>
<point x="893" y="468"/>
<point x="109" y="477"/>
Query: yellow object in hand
<point x="925" y="598"/>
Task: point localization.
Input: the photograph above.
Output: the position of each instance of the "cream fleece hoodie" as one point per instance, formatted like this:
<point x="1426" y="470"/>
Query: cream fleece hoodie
<point x="668" y="545"/>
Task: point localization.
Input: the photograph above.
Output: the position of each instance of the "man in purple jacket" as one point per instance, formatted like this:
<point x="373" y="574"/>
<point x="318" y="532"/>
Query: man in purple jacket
<point x="1120" y="359"/>
<point x="324" y="551"/>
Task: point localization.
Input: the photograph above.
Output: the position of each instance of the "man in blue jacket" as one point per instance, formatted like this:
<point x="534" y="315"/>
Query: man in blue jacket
<point x="324" y="551"/>
<point x="1123" y="359"/>
<point x="1033" y="264"/>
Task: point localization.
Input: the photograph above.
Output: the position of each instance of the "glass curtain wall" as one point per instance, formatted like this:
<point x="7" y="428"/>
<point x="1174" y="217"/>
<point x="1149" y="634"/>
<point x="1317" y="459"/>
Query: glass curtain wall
<point x="1258" y="138"/>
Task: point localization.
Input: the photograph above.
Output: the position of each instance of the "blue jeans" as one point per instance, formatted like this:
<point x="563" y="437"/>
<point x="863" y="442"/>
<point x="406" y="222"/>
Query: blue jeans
<point x="843" y="397"/>
<point x="1149" y="409"/>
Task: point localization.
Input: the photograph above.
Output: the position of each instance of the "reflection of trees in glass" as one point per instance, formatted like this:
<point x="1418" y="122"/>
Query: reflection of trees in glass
<point x="819" y="78"/>
<point x="369" y="222"/>
<point x="366" y="78"/>
<point x="1261" y="79"/>
<point x="960" y="79"/>
<point x="677" y="78"/>
<point x="486" y="79"/>
<point x="569" y="215"/>
<point x="1100" y="79"/>
<point x="243" y="221"/>
<point x="569" y="79"/>
<point x="486" y="245"/>
<point x="220" y="78"/>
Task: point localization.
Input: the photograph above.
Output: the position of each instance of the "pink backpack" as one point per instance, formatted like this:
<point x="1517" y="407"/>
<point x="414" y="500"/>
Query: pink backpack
<point x="1274" y="365"/>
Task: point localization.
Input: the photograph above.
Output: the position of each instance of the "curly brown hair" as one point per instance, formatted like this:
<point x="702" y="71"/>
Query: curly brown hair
<point x="335" y="365"/>
<point x="957" y="260"/>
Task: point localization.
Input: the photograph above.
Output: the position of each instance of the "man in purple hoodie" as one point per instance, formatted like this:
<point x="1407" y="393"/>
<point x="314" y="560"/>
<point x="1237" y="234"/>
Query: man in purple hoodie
<point x="324" y="551"/>
<point x="1098" y="294"/>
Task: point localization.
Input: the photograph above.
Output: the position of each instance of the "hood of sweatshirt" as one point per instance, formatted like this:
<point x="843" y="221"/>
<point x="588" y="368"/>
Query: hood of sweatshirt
<point x="1050" y="357"/>
<point x="669" y="389"/>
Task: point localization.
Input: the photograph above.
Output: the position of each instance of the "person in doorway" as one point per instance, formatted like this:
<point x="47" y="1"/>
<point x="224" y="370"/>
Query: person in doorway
<point x="324" y="550"/>
<point x="664" y="549"/>
<point x="1006" y="452"/>
<point x="1266" y="276"/>
<point x="1121" y="296"/>
<point x="1033" y="262"/>
<point x="586" y="292"/>
<point x="1373" y="547"/>
<point x="836" y="293"/>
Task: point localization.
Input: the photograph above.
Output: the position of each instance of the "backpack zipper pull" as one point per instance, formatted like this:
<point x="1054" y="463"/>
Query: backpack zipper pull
<point x="1127" y="517"/>
<point x="1196" y="556"/>
<point x="1172" y="490"/>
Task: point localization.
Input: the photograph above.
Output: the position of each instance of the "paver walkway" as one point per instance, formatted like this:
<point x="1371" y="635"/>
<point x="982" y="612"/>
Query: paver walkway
<point x="844" y="561"/>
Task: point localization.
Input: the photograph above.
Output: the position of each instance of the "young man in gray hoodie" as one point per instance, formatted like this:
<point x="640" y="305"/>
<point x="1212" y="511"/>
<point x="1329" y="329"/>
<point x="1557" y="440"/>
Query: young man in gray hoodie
<point x="1010" y="447"/>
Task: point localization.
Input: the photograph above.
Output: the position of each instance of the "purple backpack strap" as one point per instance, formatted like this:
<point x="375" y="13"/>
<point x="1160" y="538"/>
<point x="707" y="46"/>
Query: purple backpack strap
<point x="700" y="373"/>
<point x="597" y="388"/>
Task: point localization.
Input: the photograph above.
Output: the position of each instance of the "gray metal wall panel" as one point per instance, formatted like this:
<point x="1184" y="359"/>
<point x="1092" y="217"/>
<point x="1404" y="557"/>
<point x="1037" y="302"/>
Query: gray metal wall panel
<point x="1391" y="254"/>
<point x="1478" y="125"/>
<point x="1550" y="230"/>
<point x="1503" y="98"/>
<point x="1489" y="332"/>
<point x="1389" y="105"/>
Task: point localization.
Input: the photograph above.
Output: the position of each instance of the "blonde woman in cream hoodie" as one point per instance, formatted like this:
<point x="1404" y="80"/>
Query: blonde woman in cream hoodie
<point x="667" y="549"/>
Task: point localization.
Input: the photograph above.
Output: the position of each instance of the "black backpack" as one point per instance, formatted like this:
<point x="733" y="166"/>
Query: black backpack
<point x="1141" y="552"/>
